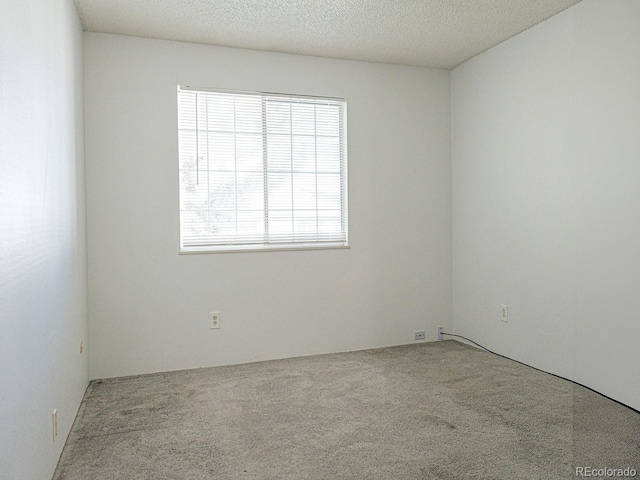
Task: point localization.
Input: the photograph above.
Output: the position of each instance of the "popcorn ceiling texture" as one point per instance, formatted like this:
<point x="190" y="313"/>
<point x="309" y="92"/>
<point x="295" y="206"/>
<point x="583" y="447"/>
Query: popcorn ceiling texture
<point x="426" y="33"/>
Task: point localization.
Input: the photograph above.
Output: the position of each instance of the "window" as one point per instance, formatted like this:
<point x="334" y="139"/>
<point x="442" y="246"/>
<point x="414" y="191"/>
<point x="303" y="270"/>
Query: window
<point x="261" y="171"/>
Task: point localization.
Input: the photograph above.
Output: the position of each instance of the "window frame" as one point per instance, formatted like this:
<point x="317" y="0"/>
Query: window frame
<point x="266" y="247"/>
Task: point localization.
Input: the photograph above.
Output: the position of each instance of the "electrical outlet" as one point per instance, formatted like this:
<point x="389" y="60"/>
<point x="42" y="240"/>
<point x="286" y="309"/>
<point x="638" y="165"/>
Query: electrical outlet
<point x="504" y="313"/>
<point x="54" y="423"/>
<point x="214" y="320"/>
<point x="440" y="333"/>
<point x="421" y="335"/>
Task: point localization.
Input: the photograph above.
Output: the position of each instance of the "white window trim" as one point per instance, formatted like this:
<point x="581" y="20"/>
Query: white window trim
<point x="293" y="246"/>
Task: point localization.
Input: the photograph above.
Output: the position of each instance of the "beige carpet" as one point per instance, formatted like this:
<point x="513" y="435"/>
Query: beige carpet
<point x="427" y="411"/>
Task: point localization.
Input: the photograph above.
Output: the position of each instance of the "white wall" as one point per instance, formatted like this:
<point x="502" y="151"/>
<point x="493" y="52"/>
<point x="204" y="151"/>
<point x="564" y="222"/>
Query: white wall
<point x="43" y="284"/>
<point x="148" y="306"/>
<point x="546" y="196"/>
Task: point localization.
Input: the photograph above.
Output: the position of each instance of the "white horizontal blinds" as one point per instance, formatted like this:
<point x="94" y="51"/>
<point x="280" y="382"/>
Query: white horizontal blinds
<point x="271" y="170"/>
<point x="304" y="170"/>
<point x="221" y="193"/>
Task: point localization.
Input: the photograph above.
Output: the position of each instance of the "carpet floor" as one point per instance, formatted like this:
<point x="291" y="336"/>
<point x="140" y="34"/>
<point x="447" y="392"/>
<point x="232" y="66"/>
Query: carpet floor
<point x="440" y="410"/>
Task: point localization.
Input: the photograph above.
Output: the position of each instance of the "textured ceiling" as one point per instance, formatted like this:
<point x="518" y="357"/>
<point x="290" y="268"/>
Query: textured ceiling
<point x="427" y="33"/>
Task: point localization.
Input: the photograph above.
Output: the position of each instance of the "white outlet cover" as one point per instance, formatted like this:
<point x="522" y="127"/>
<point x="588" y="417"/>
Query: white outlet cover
<point x="504" y="313"/>
<point x="54" y="423"/>
<point x="214" y="320"/>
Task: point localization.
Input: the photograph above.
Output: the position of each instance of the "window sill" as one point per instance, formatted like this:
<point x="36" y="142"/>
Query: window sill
<point x="260" y="248"/>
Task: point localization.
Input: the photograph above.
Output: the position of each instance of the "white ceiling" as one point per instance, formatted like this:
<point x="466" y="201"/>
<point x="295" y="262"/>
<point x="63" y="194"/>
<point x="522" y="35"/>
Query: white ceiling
<point x="426" y="33"/>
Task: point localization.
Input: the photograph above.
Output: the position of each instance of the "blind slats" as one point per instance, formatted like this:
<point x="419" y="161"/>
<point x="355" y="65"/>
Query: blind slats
<point x="261" y="170"/>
